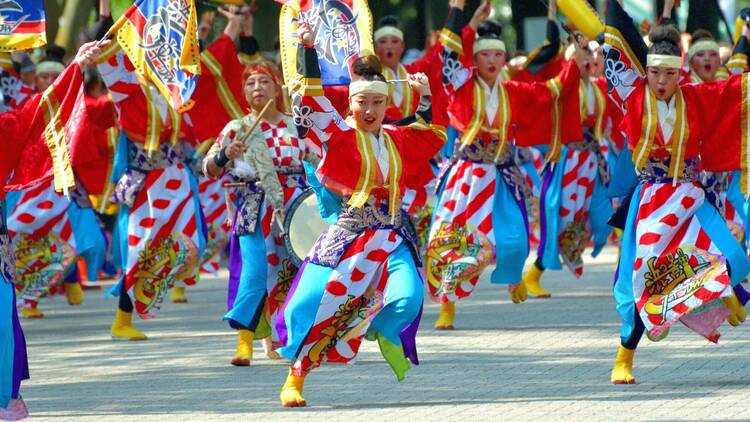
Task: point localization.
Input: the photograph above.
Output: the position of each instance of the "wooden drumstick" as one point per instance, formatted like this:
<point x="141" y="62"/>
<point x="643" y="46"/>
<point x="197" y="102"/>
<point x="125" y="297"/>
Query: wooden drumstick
<point x="257" y="121"/>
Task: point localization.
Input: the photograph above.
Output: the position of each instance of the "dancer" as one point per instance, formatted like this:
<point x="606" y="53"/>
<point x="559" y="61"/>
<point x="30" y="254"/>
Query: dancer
<point x="159" y="236"/>
<point x="25" y="155"/>
<point x="481" y="211"/>
<point x="574" y="206"/>
<point x="361" y="278"/>
<point x="51" y="230"/>
<point x="263" y="159"/>
<point x="679" y="261"/>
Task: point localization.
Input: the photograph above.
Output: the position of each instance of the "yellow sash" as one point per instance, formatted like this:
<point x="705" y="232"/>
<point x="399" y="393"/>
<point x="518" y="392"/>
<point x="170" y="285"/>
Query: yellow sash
<point x="368" y="173"/>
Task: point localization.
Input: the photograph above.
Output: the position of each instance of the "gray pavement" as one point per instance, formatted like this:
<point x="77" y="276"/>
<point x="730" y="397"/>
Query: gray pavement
<point x="542" y="360"/>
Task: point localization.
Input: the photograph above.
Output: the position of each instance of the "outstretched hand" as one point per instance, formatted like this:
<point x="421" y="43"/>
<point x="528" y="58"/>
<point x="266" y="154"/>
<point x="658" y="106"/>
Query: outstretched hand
<point x="89" y="52"/>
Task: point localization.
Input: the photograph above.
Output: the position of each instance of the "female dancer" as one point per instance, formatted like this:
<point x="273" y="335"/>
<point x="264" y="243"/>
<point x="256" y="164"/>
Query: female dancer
<point x="679" y="261"/>
<point x="481" y="211"/>
<point x="49" y="229"/>
<point x="266" y="165"/>
<point x="361" y="278"/>
<point x="160" y="232"/>
<point x="14" y="125"/>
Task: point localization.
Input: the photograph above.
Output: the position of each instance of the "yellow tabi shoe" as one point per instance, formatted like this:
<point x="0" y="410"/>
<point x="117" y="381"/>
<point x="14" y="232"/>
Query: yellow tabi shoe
<point x="532" y="280"/>
<point x="122" y="327"/>
<point x="74" y="293"/>
<point x="32" y="313"/>
<point x="268" y="349"/>
<point x="291" y="391"/>
<point x="518" y="292"/>
<point x="446" y="316"/>
<point x="737" y="312"/>
<point x="178" y="295"/>
<point x="622" y="371"/>
<point x="244" y="354"/>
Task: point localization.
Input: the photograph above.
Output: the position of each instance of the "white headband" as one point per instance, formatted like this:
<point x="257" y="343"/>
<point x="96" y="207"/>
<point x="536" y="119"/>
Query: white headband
<point x="368" y="87"/>
<point x="482" y="44"/>
<point x="702" y="45"/>
<point x="389" y="30"/>
<point x="50" y="66"/>
<point x="664" y="60"/>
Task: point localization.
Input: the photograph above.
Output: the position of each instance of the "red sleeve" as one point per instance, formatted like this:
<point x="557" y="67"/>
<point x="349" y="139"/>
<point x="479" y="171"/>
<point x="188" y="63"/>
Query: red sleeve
<point x="417" y="147"/>
<point x="720" y="109"/>
<point x="533" y="105"/>
<point x="11" y="124"/>
<point x="64" y="97"/>
<point x="92" y="146"/>
<point x="219" y="94"/>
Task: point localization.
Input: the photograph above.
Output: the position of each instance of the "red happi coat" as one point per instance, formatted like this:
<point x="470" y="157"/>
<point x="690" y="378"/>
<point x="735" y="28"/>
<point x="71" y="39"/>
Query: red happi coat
<point x="44" y="130"/>
<point x="341" y="168"/>
<point x="711" y="116"/>
<point x="531" y="108"/>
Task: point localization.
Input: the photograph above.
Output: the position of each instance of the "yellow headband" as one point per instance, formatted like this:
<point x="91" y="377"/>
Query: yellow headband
<point x="482" y="44"/>
<point x="663" y="60"/>
<point x="702" y="45"/>
<point x="388" y="30"/>
<point x="368" y="87"/>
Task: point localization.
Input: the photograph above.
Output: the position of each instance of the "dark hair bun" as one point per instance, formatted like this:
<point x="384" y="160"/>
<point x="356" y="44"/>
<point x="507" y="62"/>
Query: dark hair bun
<point x="367" y="66"/>
<point x="490" y="28"/>
<point x="702" y="34"/>
<point x="54" y="53"/>
<point x="665" y="39"/>
<point x="389" y="20"/>
<point x="664" y="33"/>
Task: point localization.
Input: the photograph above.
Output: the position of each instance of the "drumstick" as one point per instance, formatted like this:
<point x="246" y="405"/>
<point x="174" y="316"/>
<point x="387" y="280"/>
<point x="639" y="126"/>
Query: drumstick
<point x="257" y="121"/>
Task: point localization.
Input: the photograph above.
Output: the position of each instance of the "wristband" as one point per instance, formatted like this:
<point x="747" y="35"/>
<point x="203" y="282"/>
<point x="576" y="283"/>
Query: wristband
<point x="221" y="158"/>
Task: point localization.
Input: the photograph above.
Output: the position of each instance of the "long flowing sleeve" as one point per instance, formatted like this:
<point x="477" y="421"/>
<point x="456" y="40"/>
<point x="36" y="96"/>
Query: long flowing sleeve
<point x="547" y="112"/>
<point x="314" y="116"/>
<point x="455" y="66"/>
<point x="218" y="95"/>
<point x="722" y="110"/>
<point x="625" y="54"/>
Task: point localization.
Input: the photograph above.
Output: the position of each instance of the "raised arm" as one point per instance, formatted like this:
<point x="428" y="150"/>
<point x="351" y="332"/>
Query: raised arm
<point x="455" y="72"/>
<point x="625" y="54"/>
<point x="738" y="61"/>
<point x="548" y="51"/>
<point x="314" y="116"/>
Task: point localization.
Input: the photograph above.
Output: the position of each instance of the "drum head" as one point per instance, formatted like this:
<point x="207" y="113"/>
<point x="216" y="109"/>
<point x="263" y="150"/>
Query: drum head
<point x="303" y="226"/>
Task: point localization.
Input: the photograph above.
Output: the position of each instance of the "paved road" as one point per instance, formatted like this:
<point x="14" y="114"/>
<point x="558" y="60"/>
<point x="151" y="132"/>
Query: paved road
<point x="545" y="359"/>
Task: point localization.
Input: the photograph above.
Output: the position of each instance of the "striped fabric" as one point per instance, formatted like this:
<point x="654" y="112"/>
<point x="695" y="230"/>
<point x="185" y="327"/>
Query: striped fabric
<point x="163" y="238"/>
<point x="216" y="214"/>
<point x="43" y="237"/>
<point x="574" y="226"/>
<point x="353" y="296"/>
<point x="464" y="215"/>
<point x="678" y="269"/>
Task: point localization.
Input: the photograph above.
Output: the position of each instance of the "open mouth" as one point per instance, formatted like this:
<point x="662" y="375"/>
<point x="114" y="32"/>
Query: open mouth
<point x="707" y="68"/>
<point x="389" y="55"/>
<point x="661" y="92"/>
<point x="369" y="120"/>
<point x="492" y="69"/>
